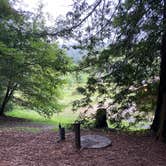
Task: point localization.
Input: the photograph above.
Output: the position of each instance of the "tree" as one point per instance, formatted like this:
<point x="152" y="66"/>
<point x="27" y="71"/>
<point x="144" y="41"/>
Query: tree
<point x="159" y="122"/>
<point x="30" y="66"/>
<point x="133" y="34"/>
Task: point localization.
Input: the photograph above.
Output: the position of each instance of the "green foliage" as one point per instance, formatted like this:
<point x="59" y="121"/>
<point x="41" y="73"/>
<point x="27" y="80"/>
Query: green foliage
<point x="130" y="59"/>
<point x="30" y="66"/>
<point x="6" y="10"/>
<point x="65" y="118"/>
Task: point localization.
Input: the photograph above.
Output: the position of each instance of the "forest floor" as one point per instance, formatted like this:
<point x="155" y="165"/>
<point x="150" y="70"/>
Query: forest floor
<point x="41" y="148"/>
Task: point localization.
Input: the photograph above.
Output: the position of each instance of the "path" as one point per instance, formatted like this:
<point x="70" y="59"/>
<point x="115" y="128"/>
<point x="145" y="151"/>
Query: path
<point x="10" y="123"/>
<point x="26" y="149"/>
<point x="41" y="148"/>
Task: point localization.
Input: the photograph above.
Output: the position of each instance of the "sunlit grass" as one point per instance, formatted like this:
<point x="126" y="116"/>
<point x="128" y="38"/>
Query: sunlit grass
<point x="65" y="117"/>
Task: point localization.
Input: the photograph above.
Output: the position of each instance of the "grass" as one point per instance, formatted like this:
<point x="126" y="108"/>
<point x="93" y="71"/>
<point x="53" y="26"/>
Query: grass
<point x="65" y="118"/>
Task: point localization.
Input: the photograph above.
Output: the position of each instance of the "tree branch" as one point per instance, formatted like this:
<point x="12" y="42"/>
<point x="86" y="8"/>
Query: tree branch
<point x="73" y="27"/>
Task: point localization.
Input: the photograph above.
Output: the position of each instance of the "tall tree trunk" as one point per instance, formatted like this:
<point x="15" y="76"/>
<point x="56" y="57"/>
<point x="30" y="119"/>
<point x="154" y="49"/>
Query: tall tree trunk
<point x="159" y="122"/>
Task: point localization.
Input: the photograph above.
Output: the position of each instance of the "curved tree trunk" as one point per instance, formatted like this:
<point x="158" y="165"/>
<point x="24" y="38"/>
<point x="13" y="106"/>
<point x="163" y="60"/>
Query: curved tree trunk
<point x="4" y="102"/>
<point x="9" y="92"/>
<point x="159" y="122"/>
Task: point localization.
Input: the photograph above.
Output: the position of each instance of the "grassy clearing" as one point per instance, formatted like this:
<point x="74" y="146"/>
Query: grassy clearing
<point x="65" y="117"/>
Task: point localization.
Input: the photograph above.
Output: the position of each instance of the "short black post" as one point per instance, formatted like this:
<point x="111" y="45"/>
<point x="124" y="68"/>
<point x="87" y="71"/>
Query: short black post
<point x="61" y="133"/>
<point x="77" y="135"/>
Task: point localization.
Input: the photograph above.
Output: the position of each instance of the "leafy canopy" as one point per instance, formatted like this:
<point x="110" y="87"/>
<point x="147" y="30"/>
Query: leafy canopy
<point x="30" y="66"/>
<point x="123" y="40"/>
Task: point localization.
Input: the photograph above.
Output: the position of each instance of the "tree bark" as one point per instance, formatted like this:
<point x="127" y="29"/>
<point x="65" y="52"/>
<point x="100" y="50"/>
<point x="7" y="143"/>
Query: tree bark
<point x="9" y="93"/>
<point x="2" y="108"/>
<point x="159" y="122"/>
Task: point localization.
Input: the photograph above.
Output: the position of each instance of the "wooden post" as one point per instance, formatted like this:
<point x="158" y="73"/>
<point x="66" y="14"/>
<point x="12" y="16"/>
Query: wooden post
<point x="77" y="135"/>
<point x="61" y="133"/>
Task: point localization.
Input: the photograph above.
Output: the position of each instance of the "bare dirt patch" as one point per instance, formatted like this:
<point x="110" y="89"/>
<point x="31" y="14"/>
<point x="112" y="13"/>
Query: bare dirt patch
<point x="33" y="149"/>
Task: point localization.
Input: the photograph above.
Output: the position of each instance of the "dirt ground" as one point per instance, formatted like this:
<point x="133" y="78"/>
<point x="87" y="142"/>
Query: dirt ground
<point x="20" y="148"/>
